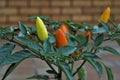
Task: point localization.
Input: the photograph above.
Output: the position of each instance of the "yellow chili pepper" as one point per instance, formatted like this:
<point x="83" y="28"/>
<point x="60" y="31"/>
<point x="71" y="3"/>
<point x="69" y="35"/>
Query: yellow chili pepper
<point x="41" y="29"/>
<point x="105" y="15"/>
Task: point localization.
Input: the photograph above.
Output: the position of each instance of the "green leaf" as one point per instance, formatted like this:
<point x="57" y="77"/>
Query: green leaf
<point x="118" y="27"/>
<point x="96" y="65"/>
<point x="118" y="41"/>
<point x="109" y="73"/>
<point x="51" y="39"/>
<point x="45" y="77"/>
<point x="66" y="50"/>
<point x="29" y="30"/>
<point x="30" y="44"/>
<point x="90" y="55"/>
<point x="16" y="57"/>
<point x="47" y="47"/>
<point x="105" y="25"/>
<point x="10" y="69"/>
<point x="33" y="29"/>
<point x="82" y="74"/>
<point x="11" y="29"/>
<point x="22" y="28"/>
<point x="66" y="69"/>
<point x="5" y="51"/>
<point x="97" y="29"/>
<point x="112" y="50"/>
<point x="51" y="72"/>
<point x="99" y="39"/>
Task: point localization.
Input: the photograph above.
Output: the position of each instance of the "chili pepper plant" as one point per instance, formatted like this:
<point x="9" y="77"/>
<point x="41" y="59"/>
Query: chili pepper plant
<point x="60" y="44"/>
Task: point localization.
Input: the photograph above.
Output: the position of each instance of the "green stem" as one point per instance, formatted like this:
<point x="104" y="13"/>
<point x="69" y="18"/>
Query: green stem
<point x="72" y="66"/>
<point x="33" y="52"/>
<point x="79" y="67"/>
<point x="59" y="76"/>
<point x="51" y="67"/>
<point x="112" y="23"/>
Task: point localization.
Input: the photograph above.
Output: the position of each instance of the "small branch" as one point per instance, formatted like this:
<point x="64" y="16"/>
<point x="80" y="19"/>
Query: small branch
<point x="59" y="74"/>
<point x="51" y="67"/>
<point x="23" y="46"/>
<point x="112" y="23"/>
<point x="79" y="67"/>
<point x="106" y="39"/>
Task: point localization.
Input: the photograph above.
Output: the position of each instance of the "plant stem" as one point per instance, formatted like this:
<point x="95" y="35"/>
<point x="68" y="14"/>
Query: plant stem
<point x="59" y="76"/>
<point x="51" y="67"/>
<point x="72" y="66"/>
<point x="112" y="23"/>
<point x="17" y="43"/>
<point x="79" y="67"/>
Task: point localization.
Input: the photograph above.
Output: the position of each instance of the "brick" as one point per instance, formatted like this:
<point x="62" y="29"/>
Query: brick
<point x="71" y="10"/>
<point x="2" y="3"/>
<point x="96" y="17"/>
<point x="29" y="11"/>
<point x="82" y="18"/>
<point x="16" y="18"/>
<point x="50" y="10"/>
<point x="117" y="18"/>
<point x="59" y="3"/>
<point x="115" y="11"/>
<point x="91" y="10"/>
<point x="8" y="11"/>
<point x="82" y="3"/>
<point x="17" y="3"/>
<point x="2" y="19"/>
<point x="101" y="3"/>
<point x="60" y="17"/>
<point x="117" y="3"/>
<point x="38" y="3"/>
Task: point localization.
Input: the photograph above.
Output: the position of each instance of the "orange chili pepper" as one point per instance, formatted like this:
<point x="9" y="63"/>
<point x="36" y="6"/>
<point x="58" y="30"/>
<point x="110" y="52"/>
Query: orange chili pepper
<point x="61" y="39"/>
<point x="88" y="34"/>
<point x="31" y="38"/>
<point x="105" y="15"/>
<point x="74" y="54"/>
<point x="64" y="28"/>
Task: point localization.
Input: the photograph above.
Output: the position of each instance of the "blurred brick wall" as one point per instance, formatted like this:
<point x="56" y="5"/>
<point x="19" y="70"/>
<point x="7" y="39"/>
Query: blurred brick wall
<point x="11" y="11"/>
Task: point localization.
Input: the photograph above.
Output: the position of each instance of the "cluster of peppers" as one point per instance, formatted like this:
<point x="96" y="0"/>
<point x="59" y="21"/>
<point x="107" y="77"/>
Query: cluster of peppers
<point x="63" y="30"/>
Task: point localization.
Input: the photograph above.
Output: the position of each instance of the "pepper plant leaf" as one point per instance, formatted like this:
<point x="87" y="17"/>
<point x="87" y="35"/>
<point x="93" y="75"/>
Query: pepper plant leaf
<point x="112" y="50"/>
<point x="109" y="72"/>
<point x="43" y="77"/>
<point x="99" y="39"/>
<point x="66" y="50"/>
<point x="96" y="65"/>
<point x="82" y="74"/>
<point x="22" y="28"/>
<point x="29" y="43"/>
<point x="16" y="57"/>
<point x="105" y="25"/>
<point x="66" y="69"/>
<point x="118" y="41"/>
<point x="10" y="69"/>
<point x="5" y="51"/>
